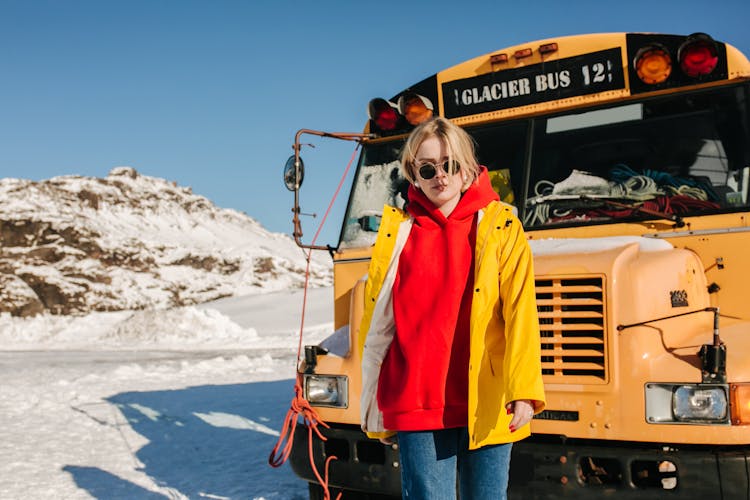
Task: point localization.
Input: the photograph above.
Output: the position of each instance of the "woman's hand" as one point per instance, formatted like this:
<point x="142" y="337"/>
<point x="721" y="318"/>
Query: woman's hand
<point x="523" y="412"/>
<point x="388" y="440"/>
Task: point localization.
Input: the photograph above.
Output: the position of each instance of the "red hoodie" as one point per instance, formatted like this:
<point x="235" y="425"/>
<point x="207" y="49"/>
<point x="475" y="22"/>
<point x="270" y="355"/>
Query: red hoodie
<point x="423" y="381"/>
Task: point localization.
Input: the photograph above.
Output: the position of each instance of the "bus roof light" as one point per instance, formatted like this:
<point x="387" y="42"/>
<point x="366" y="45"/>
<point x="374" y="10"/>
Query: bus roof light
<point x="415" y="108"/>
<point x="520" y="54"/>
<point x="548" y="48"/>
<point x="383" y="113"/>
<point x="698" y="55"/>
<point x="498" y="58"/>
<point x="653" y="64"/>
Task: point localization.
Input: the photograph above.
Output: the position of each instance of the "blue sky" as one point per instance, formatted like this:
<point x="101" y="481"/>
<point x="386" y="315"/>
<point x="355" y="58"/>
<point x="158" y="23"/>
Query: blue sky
<point x="209" y="94"/>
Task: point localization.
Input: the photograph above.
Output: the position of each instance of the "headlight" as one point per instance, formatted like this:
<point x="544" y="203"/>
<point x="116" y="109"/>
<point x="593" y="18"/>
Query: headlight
<point x="327" y="390"/>
<point x="691" y="403"/>
<point x="686" y="404"/>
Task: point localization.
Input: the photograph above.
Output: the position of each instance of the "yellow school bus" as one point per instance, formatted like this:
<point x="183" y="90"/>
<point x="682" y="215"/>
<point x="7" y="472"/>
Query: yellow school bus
<point x="627" y="157"/>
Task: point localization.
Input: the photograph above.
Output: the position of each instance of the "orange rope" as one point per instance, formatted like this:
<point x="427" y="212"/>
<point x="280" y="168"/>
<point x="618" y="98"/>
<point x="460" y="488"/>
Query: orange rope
<point x="280" y="452"/>
<point x="299" y="405"/>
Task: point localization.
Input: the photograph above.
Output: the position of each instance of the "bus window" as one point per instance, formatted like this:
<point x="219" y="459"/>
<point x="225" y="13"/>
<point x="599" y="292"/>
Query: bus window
<point x="378" y="182"/>
<point x="500" y="148"/>
<point x="678" y="155"/>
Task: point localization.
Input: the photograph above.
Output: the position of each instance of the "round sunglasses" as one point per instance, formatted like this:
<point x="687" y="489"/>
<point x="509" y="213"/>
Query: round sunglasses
<point x="428" y="170"/>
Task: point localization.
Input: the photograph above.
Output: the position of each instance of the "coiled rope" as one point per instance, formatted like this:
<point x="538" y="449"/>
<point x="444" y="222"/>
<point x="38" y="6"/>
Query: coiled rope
<point x="656" y="189"/>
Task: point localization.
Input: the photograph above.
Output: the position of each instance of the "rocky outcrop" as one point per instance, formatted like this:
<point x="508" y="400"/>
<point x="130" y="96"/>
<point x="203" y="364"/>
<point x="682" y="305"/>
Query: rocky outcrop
<point x="71" y="245"/>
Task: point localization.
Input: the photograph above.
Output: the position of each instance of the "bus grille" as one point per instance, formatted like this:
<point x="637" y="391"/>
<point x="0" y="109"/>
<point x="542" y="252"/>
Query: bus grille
<point x="571" y="319"/>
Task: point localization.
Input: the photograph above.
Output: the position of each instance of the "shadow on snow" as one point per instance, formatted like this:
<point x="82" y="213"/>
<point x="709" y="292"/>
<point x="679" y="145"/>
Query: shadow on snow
<point x="204" y="442"/>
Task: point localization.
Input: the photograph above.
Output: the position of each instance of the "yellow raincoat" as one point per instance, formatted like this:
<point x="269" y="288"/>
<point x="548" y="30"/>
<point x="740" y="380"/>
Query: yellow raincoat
<point x="505" y="357"/>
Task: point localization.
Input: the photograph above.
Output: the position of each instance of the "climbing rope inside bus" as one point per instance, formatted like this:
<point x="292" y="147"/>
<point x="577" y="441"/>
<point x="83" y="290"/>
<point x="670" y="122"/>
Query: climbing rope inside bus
<point x="571" y="199"/>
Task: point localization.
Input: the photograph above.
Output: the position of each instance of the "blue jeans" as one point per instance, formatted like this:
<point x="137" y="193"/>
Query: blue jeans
<point x="430" y="460"/>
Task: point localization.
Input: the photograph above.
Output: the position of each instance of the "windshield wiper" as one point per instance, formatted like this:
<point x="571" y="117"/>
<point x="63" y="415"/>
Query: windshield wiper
<point x="678" y="222"/>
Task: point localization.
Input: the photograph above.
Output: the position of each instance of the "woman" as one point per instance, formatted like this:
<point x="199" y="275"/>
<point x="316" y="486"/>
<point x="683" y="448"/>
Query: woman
<point x="451" y="361"/>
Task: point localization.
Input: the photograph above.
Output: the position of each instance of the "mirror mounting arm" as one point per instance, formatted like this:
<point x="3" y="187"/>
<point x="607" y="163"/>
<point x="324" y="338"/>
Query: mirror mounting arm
<point x="345" y="136"/>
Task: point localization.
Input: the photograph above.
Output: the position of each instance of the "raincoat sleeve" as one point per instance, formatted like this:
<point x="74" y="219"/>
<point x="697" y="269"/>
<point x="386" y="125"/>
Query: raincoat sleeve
<point x="376" y="346"/>
<point x="522" y="364"/>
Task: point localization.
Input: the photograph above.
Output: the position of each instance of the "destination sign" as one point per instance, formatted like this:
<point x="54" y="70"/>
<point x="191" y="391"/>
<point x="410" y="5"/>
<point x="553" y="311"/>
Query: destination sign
<point x="547" y="81"/>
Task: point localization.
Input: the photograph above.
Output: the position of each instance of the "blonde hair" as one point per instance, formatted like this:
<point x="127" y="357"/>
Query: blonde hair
<point x="459" y="144"/>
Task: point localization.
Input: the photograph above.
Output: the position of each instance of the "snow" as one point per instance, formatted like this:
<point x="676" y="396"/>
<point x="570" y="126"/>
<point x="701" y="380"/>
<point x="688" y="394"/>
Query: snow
<point x="376" y="185"/>
<point x="178" y="403"/>
<point x="560" y="246"/>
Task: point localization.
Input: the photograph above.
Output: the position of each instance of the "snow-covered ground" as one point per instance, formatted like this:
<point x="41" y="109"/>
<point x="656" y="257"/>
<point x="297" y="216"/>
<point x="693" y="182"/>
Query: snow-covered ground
<point x="179" y="403"/>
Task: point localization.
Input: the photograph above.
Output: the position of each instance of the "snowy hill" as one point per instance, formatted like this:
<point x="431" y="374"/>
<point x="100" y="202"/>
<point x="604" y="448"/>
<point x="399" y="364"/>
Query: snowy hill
<point x="74" y="245"/>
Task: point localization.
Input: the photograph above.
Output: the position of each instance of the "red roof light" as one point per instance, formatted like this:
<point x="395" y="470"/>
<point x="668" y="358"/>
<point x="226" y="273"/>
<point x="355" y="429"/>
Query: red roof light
<point x="698" y="56"/>
<point x="383" y="113"/>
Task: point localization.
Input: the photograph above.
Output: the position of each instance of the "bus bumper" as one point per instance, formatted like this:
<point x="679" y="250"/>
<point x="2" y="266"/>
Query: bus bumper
<point x="361" y="464"/>
<point x="544" y="467"/>
<point x="590" y="470"/>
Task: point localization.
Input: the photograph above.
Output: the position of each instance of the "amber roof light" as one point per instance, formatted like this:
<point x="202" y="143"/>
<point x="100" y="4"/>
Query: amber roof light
<point x="653" y="64"/>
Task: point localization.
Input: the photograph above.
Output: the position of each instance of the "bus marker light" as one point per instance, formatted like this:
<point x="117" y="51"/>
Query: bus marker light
<point x="499" y="59"/>
<point x="520" y="54"/>
<point x="698" y="56"/>
<point x="740" y="403"/>
<point x="653" y="64"/>
<point x="548" y="48"/>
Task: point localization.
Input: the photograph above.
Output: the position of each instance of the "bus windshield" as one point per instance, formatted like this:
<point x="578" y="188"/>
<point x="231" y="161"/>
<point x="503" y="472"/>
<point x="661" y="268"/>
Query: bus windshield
<point x="672" y="156"/>
<point x="677" y="155"/>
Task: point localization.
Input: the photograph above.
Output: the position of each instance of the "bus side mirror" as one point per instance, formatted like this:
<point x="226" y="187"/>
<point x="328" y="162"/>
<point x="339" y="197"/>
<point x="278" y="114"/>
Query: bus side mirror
<point x="294" y="173"/>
